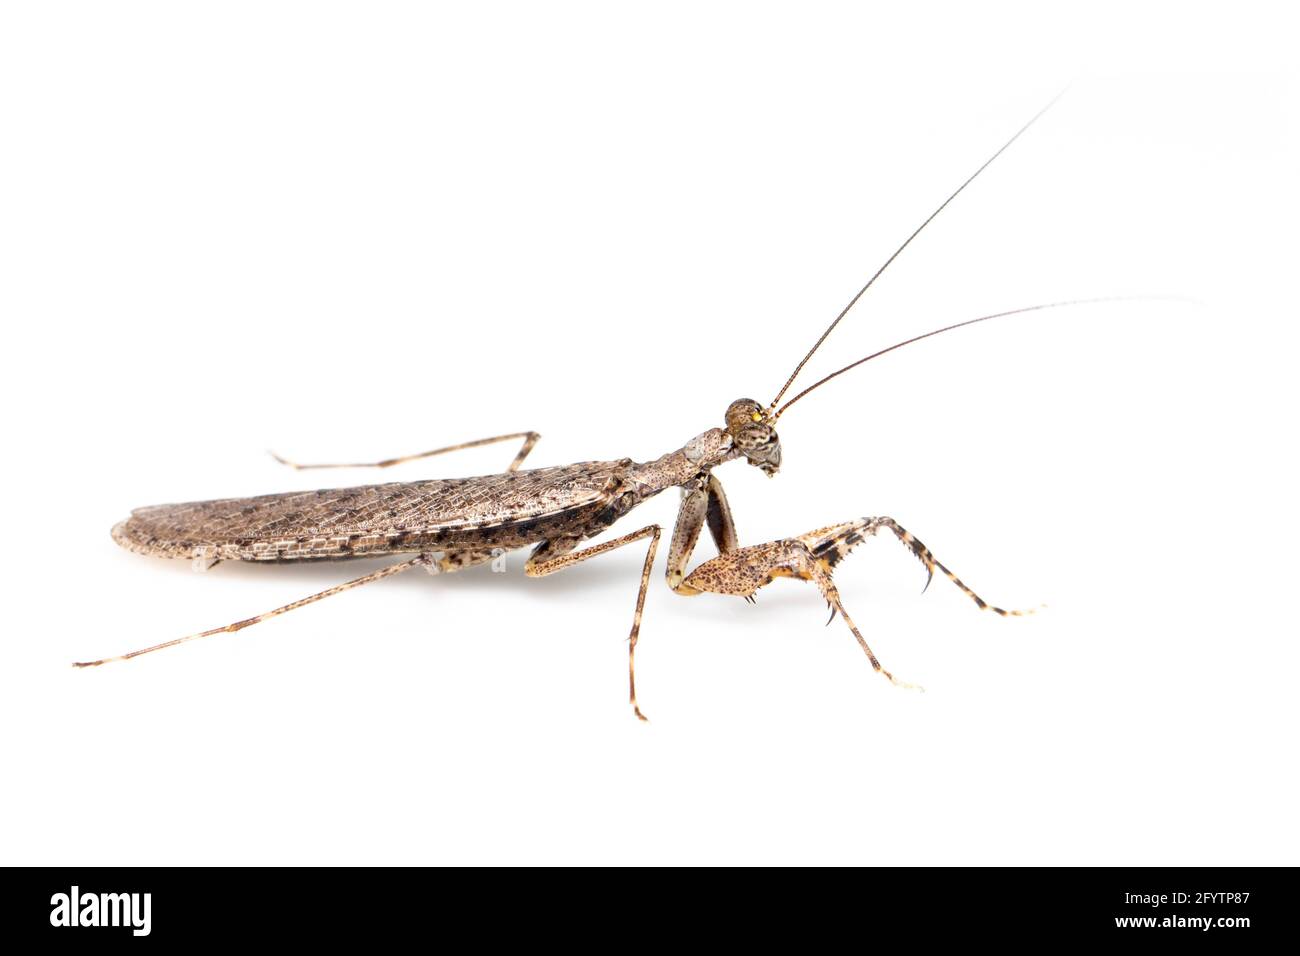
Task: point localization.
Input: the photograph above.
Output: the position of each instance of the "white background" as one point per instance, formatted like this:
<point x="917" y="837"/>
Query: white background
<point x="356" y="230"/>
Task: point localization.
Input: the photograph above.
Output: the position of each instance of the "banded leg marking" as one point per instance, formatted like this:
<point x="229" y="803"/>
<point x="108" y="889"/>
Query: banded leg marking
<point x="927" y="558"/>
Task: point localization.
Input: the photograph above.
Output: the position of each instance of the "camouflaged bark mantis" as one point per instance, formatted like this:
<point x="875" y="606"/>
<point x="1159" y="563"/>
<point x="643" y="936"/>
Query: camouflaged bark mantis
<point x="456" y="523"/>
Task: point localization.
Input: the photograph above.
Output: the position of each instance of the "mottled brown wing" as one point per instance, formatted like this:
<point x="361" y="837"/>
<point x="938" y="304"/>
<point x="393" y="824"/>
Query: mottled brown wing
<point x="510" y="509"/>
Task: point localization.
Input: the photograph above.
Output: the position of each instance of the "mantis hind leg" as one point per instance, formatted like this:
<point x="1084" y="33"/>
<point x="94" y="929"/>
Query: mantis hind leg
<point x="449" y="561"/>
<point x="530" y="439"/>
<point x="423" y="559"/>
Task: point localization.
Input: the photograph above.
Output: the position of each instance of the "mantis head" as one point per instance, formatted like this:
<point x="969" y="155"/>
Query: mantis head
<point x="753" y="436"/>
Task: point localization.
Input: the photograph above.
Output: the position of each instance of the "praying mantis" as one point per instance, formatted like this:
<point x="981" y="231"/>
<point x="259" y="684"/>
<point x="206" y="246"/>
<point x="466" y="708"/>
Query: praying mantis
<point x="452" y="524"/>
